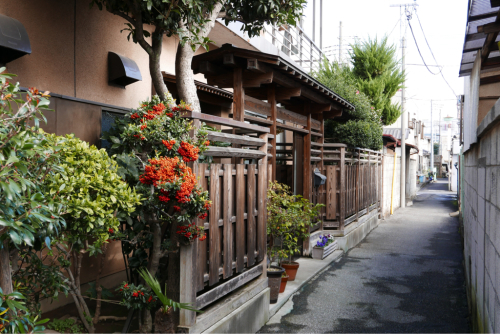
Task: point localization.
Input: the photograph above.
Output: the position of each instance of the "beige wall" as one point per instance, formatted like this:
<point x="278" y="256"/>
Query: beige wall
<point x="70" y="57"/>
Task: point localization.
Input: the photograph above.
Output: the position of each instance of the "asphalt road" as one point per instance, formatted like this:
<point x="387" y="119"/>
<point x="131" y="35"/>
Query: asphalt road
<point x="406" y="276"/>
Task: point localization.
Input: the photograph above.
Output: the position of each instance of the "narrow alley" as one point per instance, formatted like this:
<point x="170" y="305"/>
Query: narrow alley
<point x="406" y="276"/>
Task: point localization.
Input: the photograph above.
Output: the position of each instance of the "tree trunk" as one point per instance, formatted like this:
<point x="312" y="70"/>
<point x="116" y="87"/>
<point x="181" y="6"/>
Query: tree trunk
<point x="185" y="79"/>
<point x="164" y="322"/>
<point x="98" y="287"/>
<point x="154" y="65"/>
<point x="183" y="59"/>
<point x="5" y="269"/>
<point x="174" y="277"/>
<point x="154" y="263"/>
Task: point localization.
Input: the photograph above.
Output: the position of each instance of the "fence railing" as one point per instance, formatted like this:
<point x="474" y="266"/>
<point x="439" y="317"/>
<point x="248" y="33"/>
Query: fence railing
<point x="295" y="43"/>
<point x="235" y="249"/>
<point x="353" y="186"/>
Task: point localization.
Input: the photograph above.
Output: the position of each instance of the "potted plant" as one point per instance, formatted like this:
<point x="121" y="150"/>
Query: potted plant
<point x="284" y="279"/>
<point x="324" y="247"/>
<point x="289" y="218"/>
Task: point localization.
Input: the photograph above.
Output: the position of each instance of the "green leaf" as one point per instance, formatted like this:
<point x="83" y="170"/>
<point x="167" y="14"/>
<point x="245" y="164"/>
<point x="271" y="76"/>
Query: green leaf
<point x="15" y="237"/>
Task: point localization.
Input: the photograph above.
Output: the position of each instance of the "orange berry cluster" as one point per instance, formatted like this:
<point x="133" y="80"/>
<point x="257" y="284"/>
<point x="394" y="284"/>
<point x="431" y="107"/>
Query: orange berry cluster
<point x="170" y="170"/>
<point x="168" y="144"/>
<point x="188" y="151"/>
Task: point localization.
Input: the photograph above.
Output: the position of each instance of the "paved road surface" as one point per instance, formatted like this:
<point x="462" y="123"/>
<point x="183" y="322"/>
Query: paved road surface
<point x="406" y="276"/>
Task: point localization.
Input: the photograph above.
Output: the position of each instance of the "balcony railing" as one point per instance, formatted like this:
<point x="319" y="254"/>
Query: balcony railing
<point x="294" y="42"/>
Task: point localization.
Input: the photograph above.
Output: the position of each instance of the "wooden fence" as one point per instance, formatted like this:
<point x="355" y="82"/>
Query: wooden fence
<point x="353" y="186"/>
<point x="234" y="252"/>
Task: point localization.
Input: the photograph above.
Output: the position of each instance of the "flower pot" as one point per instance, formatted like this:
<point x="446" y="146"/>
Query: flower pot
<point x="320" y="253"/>
<point x="274" y="279"/>
<point x="283" y="284"/>
<point x="291" y="269"/>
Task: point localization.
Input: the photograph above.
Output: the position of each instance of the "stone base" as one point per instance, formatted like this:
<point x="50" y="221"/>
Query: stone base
<point x="248" y="318"/>
<point x="355" y="232"/>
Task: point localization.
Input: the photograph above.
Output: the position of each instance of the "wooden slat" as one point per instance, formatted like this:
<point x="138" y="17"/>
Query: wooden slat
<point x="227" y="214"/>
<point x="240" y="222"/>
<point x="202" y="245"/>
<point x="262" y="206"/>
<point x="225" y="288"/>
<point x="214" y="237"/>
<point x="235" y="139"/>
<point x="331" y="192"/>
<point x="229" y="152"/>
<point x="258" y="120"/>
<point x="315" y="151"/>
<point x="334" y="145"/>
<point x="315" y="159"/>
<point x="291" y="128"/>
<point x="271" y="97"/>
<point x="251" y="228"/>
<point x="223" y="121"/>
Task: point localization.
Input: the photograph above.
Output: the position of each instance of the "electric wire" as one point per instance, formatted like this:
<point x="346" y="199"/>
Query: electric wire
<point x="432" y="53"/>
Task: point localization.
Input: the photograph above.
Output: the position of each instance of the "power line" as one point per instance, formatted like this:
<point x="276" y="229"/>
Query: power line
<point x="418" y="49"/>
<point x="432" y="53"/>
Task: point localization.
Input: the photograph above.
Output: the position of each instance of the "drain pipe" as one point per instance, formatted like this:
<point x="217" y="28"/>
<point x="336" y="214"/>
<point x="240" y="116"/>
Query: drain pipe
<point x="393" y="181"/>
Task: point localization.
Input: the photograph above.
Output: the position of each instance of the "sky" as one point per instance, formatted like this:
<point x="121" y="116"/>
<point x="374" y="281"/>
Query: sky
<point x="443" y="22"/>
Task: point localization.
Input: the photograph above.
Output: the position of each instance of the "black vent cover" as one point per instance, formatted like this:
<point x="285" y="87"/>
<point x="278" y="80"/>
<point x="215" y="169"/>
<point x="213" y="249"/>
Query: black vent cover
<point x="14" y="40"/>
<point x="123" y="71"/>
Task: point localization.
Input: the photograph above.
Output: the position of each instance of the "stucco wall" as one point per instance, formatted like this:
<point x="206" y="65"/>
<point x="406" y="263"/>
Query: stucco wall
<point x="481" y="221"/>
<point x="70" y="44"/>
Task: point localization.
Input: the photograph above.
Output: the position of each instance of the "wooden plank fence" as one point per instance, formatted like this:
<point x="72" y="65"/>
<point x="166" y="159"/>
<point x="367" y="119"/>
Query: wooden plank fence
<point x="353" y="186"/>
<point x="234" y="252"/>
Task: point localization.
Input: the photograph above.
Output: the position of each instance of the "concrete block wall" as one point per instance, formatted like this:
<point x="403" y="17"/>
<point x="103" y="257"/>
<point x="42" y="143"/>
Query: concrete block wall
<point x="481" y="229"/>
<point x="387" y="176"/>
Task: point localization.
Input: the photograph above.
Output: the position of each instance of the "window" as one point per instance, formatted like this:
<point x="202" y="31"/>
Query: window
<point x="107" y="121"/>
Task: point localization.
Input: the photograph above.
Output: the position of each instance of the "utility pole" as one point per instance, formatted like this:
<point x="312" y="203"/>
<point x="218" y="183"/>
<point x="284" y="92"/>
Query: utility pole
<point x="406" y="6"/>
<point x="314" y="22"/>
<point x="321" y="24"/>
<point x="403" y="132"/>
<point x="432" y="144"/>
<point x="340" y="43"/>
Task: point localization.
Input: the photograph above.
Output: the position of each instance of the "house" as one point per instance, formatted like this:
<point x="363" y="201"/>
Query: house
<point x="258" y="92"/>
<point x="479" y="164"/>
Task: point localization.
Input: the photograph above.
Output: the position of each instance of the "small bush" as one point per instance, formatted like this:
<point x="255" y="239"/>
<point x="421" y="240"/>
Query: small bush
<point x="65" y="326"/>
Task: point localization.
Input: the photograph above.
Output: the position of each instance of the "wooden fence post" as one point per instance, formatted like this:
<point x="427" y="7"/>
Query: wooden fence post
<point x="342" y="189"/>
<point x="188" y="283"/>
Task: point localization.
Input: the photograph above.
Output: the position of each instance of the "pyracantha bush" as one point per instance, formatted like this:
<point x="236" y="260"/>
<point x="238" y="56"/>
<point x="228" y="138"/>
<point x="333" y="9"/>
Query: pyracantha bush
<point x="137" y="297"/>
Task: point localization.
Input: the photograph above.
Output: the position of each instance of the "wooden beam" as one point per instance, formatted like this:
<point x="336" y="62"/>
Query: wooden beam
<point x="489" y="28"/>
<point x="207" y="67"/>
<point x="224" y="121"/>
<point x="287" y="93"/>
<point x="254" y="66"/>
<point x="228" y="60"/>
<point x="271" y="98"/>
<point x="488" y="43"/>
<point x="227" y="287"/>
<point x="229" y="152"/>
<point x="307" y="174"/>
<point x="250" y="79"/>
<point x="291" y="128"/>
<point x="235" y="139"/>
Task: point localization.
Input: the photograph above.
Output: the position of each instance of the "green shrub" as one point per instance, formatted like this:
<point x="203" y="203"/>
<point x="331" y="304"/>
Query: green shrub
<point x="65" y="326"/>
<point x="357" y="133"/>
